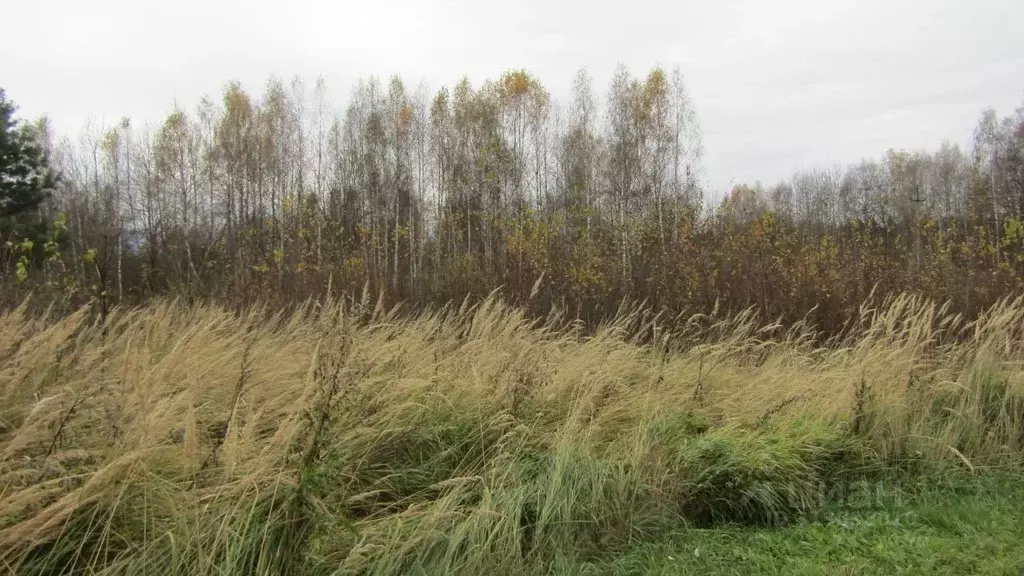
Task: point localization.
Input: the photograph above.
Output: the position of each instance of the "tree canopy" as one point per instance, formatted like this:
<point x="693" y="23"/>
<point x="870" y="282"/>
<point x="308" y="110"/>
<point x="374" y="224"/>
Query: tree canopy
<point x="25" y="177"/>
<point x="431" y="196"/>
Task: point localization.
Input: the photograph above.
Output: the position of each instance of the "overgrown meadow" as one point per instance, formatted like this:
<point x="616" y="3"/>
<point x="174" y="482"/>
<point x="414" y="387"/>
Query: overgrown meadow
<point x="345" y="438"/>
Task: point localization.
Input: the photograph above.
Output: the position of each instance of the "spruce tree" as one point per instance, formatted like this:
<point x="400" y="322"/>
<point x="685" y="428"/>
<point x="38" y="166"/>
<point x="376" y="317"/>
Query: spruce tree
<point x="25" y="177"/>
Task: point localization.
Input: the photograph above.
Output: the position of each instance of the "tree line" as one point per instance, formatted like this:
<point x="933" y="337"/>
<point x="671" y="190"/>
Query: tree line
<point x="428" y="197"/>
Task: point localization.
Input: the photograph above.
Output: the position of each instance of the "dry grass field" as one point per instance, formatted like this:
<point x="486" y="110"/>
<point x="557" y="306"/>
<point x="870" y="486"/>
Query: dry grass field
<point x="341" y="438"/>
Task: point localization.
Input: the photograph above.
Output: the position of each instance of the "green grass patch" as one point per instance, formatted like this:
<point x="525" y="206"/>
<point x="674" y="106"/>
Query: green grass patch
<point x="961" y="526"/>
<point x="758" y="476"/>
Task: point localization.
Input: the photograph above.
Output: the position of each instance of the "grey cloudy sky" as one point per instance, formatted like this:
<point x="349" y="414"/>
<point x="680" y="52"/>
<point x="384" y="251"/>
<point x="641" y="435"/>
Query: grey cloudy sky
<point x="777" y="85"/>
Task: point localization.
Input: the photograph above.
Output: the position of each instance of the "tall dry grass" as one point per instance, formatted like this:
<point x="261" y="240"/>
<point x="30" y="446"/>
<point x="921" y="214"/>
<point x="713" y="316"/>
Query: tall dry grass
<point x="344" y="438"/>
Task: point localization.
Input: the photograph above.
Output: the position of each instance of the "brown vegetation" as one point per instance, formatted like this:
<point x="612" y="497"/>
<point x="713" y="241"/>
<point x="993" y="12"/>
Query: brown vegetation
<point x="430" y="199"/>
<point x="175" y="439"/>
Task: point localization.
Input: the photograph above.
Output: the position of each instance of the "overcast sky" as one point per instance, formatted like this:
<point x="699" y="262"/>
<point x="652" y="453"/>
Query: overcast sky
<point x="777" y="85"/>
